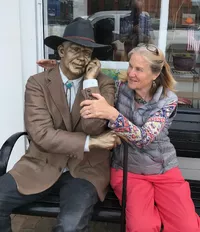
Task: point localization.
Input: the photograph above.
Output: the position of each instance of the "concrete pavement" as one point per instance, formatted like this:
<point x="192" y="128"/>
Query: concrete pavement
<point x="22" y="223"/>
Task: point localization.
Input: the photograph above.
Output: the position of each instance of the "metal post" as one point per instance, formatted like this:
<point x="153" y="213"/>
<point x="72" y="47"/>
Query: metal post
<point x="124" y="187"/>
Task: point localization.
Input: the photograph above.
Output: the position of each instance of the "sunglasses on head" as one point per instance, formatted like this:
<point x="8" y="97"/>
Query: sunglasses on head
<point x="150" y="47"/>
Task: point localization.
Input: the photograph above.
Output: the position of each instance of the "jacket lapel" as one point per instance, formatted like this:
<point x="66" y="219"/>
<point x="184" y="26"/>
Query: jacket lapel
<point x="56" y="90"/>
<point x="75" y="114"/>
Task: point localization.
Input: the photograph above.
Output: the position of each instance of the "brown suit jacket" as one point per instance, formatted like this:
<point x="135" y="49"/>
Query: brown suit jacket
<point x="58" y="136"/>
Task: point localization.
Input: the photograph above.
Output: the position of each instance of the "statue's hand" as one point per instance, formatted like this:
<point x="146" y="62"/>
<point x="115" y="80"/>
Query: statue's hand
<point x="93" y="69"/>
<point x="47" y="63"/>
<point x="107" y="140"/>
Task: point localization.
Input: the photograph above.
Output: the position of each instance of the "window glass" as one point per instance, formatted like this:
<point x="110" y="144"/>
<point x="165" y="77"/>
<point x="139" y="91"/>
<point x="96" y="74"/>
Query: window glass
<point x="123" y="24"/>
<point x="183" y="49"/>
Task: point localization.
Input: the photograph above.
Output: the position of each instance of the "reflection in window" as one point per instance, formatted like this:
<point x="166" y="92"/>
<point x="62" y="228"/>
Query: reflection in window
<point x="124" y="24"/>
<point x="131" y="25"/>
<point x="60" y="11"/>
<point x="183" y="49"/>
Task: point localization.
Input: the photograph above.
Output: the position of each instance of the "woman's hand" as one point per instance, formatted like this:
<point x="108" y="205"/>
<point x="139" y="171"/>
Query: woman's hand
<point x="47" y="63"/>
<point x="98" y="108"/>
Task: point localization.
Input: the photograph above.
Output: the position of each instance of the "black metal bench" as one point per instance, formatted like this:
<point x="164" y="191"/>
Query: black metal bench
<point x="184" y="134"/>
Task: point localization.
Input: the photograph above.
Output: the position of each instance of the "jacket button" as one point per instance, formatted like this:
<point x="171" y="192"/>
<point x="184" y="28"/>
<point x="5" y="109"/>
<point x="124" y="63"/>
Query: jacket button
<point x="47" y="161"/>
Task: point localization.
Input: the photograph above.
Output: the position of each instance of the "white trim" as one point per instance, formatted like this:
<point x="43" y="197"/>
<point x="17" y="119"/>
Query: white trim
<point x="164" y="13"/>
<point x="46" y="26"/>
<point x="39" y="30"/>
<point x="114" y="65"/>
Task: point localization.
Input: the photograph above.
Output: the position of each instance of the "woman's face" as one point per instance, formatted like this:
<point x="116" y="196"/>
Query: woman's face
<point x="140" y="76"/>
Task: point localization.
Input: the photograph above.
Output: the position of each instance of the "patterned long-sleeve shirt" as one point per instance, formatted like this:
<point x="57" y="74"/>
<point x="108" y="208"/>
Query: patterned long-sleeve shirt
<point x="142" y="136"/>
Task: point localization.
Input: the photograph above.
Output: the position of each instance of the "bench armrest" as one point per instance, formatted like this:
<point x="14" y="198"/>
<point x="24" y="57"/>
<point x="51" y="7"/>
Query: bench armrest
<point x="6" y="150"/>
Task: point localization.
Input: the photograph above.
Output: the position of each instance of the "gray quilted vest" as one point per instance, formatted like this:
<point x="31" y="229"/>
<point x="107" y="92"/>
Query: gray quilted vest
<point x="160" y="155"/>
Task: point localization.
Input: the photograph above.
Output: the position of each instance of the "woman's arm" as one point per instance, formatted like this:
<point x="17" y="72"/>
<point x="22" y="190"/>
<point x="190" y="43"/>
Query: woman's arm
<point x="142" y="136"/>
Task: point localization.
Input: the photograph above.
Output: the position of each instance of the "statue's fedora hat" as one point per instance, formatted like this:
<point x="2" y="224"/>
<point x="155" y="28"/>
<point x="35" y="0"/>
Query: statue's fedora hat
<point x="79" y="31"/>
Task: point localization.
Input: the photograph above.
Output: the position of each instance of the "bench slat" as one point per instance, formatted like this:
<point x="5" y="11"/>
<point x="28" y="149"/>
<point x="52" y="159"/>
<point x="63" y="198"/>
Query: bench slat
<point x="185" y="118"/>
<point x="185" y="126"/>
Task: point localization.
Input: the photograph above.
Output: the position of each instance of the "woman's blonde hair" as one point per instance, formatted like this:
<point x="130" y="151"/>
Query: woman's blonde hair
<point x="158" y="65"/>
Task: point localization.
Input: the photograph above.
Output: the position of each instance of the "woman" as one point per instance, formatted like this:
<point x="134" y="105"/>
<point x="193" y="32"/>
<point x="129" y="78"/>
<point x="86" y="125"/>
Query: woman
<point x="145" y="107"/>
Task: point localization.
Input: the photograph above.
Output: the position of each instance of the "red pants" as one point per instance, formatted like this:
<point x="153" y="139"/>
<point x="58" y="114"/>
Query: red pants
<point x="156" y="199"/>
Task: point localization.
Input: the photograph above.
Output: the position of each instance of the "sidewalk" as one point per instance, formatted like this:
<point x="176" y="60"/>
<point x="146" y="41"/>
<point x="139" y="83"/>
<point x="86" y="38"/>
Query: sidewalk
<point x="41" y="224"/>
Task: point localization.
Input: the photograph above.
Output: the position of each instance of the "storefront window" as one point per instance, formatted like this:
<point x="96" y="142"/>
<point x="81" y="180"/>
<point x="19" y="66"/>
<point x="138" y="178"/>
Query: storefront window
<point x="123" y="26"/>
<point x="183" y="49"/>
<point x="120" y="24"/>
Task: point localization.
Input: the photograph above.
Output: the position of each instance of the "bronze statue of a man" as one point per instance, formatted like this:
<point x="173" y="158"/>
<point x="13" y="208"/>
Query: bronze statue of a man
<point x="66" y="152"/>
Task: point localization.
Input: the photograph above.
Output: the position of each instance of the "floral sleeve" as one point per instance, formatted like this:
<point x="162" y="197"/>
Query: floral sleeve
<point x="142" y="136"/>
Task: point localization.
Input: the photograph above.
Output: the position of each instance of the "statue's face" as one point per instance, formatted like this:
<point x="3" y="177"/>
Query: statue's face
<point x="74" y="59"/>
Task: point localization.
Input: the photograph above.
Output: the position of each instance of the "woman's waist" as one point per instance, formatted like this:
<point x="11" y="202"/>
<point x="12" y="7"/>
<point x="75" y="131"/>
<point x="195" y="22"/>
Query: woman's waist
<point x="146" y="160"/>
<point x="142" y="169"/>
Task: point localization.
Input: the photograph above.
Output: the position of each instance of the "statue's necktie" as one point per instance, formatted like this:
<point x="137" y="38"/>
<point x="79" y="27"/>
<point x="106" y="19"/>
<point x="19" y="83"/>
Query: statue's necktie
<point x="69" y="85"/>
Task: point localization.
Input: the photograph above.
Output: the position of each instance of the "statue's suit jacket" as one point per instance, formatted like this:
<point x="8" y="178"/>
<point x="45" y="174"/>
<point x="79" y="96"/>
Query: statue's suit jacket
<point x="57" y="137"/>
